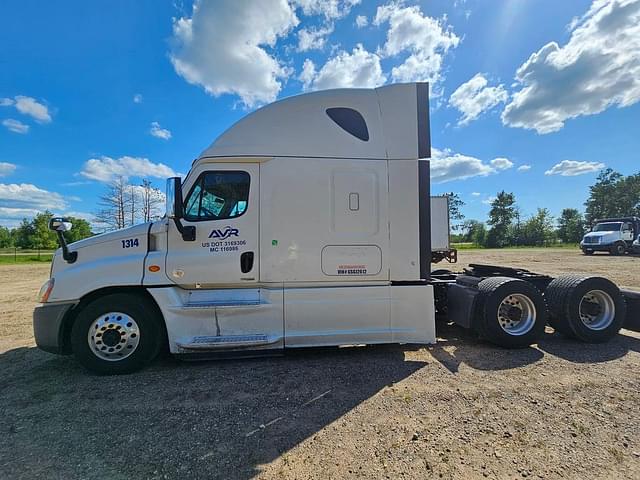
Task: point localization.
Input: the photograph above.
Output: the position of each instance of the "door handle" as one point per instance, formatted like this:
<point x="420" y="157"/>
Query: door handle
<point x="246" y="262"/>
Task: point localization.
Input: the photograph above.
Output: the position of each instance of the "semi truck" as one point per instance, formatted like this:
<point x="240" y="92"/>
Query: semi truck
<point x="307" y="223"/>
<point x="613" y="235"/>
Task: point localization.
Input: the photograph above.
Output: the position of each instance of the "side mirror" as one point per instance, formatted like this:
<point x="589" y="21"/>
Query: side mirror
<point x="175" y="209"/>
<point x="61" y="225"/>
<point x="58" y="224"/>
<point x="174" y="198"/>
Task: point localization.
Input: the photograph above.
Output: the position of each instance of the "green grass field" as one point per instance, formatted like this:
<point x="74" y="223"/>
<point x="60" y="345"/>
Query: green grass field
<point x="7" y="259"/>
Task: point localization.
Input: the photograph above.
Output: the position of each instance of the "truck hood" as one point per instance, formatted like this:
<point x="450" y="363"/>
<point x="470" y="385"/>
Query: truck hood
<point x="604" y="236"/>
<point x="114" y="258"/>
<point x="121" y="234"/>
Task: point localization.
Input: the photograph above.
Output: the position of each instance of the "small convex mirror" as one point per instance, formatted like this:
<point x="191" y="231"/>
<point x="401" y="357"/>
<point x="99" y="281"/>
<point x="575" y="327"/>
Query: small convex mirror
<point x="59" y="224"/>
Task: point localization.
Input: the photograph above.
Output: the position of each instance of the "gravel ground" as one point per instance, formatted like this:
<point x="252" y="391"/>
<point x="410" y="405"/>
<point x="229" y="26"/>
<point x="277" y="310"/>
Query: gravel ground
<point x="458" y="409"/>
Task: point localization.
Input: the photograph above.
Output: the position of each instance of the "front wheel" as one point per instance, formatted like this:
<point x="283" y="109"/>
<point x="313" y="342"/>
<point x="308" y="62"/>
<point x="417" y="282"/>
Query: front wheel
<point x="587" y="251"/>
<point x="511" y="313"/>
<point x="116" y="334"/>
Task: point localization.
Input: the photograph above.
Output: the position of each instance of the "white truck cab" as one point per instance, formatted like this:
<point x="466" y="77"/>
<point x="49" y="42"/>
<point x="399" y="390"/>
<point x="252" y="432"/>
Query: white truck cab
<point x="307" y="223"/>
<point x="613" y="235"/>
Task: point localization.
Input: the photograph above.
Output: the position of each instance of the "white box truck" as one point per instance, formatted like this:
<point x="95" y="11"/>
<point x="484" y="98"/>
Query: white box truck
<point x="613" y="235"/>
<point x="307" y="223"/>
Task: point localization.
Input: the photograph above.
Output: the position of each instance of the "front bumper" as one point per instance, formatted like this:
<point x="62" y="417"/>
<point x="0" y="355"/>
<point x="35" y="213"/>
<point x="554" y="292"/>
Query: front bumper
<point x="48" y="326"/>
<point x="596" y="247"/>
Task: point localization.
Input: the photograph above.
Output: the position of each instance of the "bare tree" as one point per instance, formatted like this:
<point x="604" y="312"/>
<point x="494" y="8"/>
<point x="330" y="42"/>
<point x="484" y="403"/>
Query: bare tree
<point x="152" y="199"/>
<point x="115" y="204"/>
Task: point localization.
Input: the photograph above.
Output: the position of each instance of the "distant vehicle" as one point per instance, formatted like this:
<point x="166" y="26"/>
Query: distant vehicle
<point x="613" y="235"/>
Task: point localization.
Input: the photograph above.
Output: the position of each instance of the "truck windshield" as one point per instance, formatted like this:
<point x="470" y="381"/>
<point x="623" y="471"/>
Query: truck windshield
<point x="607" y="227"/>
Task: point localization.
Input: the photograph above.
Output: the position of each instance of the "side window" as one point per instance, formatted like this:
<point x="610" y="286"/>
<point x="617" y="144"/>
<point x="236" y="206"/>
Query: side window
<point x="218" y="195"/>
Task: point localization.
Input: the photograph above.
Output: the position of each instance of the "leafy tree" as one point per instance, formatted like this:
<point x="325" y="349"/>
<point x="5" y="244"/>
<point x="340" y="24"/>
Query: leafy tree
<point x="571" y="226"/>
<point x="501" y="216"/>
<point x="613" y="195"/>
<point x="602" y="201"/>
<point x="6" y="239"/>
<point x="40" y="235"/>
<point x="538" y="230"/>
<point x="476" y="232"/>
<point x="35" y="233"/>
<point x="456" y="216"/>
<point x="81" y="229"/>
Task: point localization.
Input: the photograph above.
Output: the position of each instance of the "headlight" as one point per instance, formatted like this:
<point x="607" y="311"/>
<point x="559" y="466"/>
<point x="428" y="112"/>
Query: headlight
<point x="45" y="291"/>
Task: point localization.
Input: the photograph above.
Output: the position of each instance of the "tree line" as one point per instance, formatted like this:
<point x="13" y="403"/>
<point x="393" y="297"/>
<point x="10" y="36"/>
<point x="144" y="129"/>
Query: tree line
<point x="122" y="205"/>
<point x="34" y="233"/>
<point x="612" y="195"/>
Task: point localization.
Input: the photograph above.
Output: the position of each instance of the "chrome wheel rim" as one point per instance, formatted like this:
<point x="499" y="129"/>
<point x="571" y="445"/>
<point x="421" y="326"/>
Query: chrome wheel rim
<point x="113" y="336"/>
<point x="597" y="310"/>
<point x="516" y="314"/>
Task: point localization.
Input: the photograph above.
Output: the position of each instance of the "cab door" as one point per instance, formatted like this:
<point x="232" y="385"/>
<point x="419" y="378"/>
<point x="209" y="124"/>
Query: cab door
<point x="222" y="204"/>
<point x="627" y="232"/>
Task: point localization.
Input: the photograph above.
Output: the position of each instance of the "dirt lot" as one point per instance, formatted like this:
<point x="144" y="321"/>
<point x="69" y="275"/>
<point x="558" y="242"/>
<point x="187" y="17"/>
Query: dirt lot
<point x="459" y="409"/>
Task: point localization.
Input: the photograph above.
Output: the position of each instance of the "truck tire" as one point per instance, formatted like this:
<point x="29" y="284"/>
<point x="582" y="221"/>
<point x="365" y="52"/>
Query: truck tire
<point x="116" y="334"/>
<point x="511" y="312"/>
<point x="618" y="249"/>
<point x="587" y="251"/>
<point x="590" y="309"/>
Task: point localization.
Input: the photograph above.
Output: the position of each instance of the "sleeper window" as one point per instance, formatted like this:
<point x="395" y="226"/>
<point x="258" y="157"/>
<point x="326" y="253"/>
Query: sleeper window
<point x="218" y="196"/>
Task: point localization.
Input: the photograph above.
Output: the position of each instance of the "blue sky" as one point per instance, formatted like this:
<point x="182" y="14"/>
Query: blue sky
<point x="531" y="96"/>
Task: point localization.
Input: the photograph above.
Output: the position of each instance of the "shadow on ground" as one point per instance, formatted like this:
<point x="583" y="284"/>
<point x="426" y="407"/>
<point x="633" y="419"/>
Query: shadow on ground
<point x="214" y="419"/>
<point x="177" y="419"/>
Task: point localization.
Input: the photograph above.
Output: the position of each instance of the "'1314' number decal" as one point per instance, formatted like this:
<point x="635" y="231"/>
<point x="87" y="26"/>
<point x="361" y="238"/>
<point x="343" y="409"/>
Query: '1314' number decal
<point x="130" y="242"/>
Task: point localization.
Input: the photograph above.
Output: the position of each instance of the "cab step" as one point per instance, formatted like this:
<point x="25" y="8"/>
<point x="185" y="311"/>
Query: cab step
<point x="227" y="341"/>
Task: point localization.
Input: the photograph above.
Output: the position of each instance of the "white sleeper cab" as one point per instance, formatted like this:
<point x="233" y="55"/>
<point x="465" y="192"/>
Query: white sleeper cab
<point x="307" y="223"/>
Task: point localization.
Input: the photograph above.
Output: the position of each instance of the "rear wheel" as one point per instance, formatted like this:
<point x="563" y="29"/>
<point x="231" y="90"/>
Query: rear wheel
<point x="511" y="312"/>
<point x="591" y="309"/>
<point x="116" y="334"/>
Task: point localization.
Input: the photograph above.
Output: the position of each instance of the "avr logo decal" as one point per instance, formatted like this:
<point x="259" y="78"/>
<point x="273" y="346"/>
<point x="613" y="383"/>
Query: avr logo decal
<point x="224" y="234"/>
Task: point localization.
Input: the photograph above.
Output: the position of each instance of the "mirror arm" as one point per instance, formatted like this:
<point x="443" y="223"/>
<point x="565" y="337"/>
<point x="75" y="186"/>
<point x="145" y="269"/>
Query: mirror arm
<point x="69" y="257"/>
<point x="188" y="233"/>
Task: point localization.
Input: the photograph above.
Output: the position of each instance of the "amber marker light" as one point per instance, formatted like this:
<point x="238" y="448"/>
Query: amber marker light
<point x="154" y="268"/>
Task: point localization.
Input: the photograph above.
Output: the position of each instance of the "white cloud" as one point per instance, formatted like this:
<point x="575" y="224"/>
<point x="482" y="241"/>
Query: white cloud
<point x="15" y="126"/>
<point x="221" y="47"/>
<point x="157" y="131"/>
<point x="30" y="106"/>
<point x="359" y="68"/>
<point x="6" y="168"/>
<point x="361" y="21"/>
<point x="489" y="200"/>
<point x="137" y="98"/>
<point x="308" y="73"/>
<point x="501" y="163"/>
<point x="25" y="196"/>
<point x="330" y="9"/>
<point x="6" y="102"/>
<point x="524" y="168"/>
<point x="598" y="68"/>
<point x="474" y="97"/>
<point x="476" y="194"/>
<point x="571" y="168"/>
<point x="447" y="166"/>
<point x="426" y="39"/>
<point x="313" y="38"/>
<point x="107" y="169"/>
